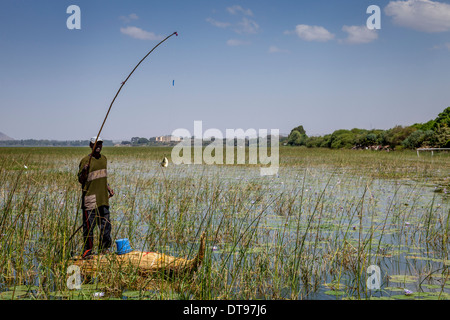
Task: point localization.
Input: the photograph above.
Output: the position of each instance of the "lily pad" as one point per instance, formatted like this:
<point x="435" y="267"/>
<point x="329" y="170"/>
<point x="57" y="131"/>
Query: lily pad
<point x="402" y="278"/>
<point x="59" y="294"/>
<point x="394" y="289"/>
<point x="438" y="275"/>
<point x="443" y="295"/>
<point x="445" y="262"/>
<point x="92" y="287"/>
<point x="9" y="295"/>
<point x="419" y="258"/>
<point x="380" y="298"/>
<point x="429" y="297"/>
<point x="432" y="286"/>
<point x="335" y="286"/>
<point x="404" y="297"/>
<point x="135" y="294"/>
<point x="334" y="292"/>
<point x="23" y="288"/>
<point x="72" y="294"/>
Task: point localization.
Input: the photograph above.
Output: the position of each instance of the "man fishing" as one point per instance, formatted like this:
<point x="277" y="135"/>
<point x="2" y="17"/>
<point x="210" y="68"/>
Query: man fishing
<point x="92" y="174"/>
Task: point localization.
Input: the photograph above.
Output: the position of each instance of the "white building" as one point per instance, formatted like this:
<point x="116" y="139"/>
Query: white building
<point x="167" y="138"/>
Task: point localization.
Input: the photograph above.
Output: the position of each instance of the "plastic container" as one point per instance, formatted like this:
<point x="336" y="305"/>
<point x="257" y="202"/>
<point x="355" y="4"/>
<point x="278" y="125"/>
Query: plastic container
<point x="123" y="246"/>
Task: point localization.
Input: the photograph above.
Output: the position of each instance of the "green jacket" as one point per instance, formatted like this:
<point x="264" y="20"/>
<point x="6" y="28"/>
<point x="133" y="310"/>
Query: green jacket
<point x="95" y="188"/>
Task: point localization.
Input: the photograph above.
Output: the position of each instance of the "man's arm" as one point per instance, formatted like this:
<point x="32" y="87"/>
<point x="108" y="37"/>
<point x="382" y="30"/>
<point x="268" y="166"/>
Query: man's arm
<point x="110" y="191"/>
<point x="83" y="173"/>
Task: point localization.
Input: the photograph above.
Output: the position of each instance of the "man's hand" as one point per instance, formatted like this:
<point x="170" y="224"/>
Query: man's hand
<point x="110" y="191"/>
<point x="84" y="174"/>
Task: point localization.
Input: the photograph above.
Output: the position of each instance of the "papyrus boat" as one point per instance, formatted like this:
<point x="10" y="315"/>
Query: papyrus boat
<point x="145" y="263"/>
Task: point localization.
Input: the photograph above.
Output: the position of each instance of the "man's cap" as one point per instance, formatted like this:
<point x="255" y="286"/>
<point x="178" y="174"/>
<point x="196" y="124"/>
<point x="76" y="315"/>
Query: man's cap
<point x="93" y="139"/>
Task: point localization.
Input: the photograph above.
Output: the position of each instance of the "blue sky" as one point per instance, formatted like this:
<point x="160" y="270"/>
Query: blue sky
<point x="235" y="64"/>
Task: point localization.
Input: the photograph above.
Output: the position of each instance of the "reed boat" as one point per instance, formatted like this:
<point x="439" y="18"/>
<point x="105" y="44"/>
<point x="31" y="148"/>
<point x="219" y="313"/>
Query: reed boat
<point x="146" y="263"/>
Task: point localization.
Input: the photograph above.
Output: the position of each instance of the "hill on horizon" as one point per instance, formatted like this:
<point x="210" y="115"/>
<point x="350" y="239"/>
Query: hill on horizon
<point x="4" y="137"/>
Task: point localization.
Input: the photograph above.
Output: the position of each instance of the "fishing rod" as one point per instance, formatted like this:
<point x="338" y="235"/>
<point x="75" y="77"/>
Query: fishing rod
<point x="109" y="109"/>
<point x="123" y="83"/>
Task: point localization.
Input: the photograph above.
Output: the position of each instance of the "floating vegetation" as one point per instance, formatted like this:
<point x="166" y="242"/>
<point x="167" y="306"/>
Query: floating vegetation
<point x="310" y="232"/>
<point x="394" y="289"/>
<point x="334" y="293"/>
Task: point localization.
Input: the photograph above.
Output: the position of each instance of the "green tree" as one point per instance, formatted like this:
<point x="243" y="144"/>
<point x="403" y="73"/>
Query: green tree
<point x="425" y="126"/>
<point x="136" y="141"/>
<point x="442" y="120"/>
<point x="442" y="137"/>
<point x="299" y="129"/>
<point x="297" y="137"/>
<point x="142" y="141"/>
<point x="395" y="136"/>
<point x="342" y="139"/>
<point x="314" y="142"/>
<point x="417" y="139"/>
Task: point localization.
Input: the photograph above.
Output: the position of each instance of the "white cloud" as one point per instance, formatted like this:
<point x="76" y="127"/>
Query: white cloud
<point x="421" y="15"/>
<point x="218" y="23"/>
<point x="244" y="26"/>
<point x="312" y="33"/>
<point x="441" y="46"/>
<point x="129" y="18"/>
<point x="359" y="34"/>
<point x="138" y="33"/>
<point x="236" y="9"/>
<point x="275" y="49"/>
<point x="247" y="26"/>
<point x="235" y="42"/>
<point x="133" y="16"/>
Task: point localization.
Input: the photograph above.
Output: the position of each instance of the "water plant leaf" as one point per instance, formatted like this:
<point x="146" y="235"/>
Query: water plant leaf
<point x="335" y="293"/>
<point x="59" y="294"/>
<point x="394" y="289"/>
<point x="92" y="286"/>
<point x="430" y="297"/>
<point x="135" y="294"/>
<point x="401" y="278"/>
<point x="9" y="295"/>
<point x="404" y="297"/>
<point x="23" y="288"/>
<point x="444" y="261"/>
<point x="439" y="295"/>
<point x="335" y="285"/>
<point x="432" y="286"/>
<point x="381" y="298"/>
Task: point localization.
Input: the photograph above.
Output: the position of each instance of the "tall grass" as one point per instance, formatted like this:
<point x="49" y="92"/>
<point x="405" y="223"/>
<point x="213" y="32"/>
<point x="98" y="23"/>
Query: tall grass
<point x="309" y="232"/>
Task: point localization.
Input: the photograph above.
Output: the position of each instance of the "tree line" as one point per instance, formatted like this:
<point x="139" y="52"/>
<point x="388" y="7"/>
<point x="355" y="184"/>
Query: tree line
<point x="49" y="143"/>
<point x="434" y="133"/>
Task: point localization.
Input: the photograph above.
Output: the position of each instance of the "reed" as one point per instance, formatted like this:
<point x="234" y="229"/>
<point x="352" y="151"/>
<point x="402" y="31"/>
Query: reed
<point x="309" y="232"/>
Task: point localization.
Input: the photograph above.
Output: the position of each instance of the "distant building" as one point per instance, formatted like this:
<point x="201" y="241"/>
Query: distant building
<point x="167" y="138"/>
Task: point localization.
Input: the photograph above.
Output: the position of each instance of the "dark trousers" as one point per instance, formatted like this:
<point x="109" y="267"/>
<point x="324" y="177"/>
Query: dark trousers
<point x="91" y="218"/>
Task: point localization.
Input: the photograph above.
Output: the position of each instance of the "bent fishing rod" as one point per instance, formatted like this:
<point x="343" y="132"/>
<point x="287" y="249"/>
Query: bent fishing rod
<point x="123" y="83"/>
<point x="109" y="109"/>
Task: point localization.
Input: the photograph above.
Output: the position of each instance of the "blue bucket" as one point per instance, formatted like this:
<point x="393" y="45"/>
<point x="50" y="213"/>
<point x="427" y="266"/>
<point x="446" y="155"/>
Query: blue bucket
<point x="123" y="246"/>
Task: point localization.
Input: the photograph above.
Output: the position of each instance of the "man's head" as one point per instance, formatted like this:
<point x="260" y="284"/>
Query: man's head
<point x="99" y="145"/>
